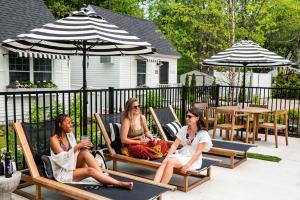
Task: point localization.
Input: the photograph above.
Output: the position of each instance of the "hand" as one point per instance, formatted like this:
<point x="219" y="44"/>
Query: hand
<point x="85" y="144"/>
<point x="185" y="168"/>
<point x="144" y="140"/>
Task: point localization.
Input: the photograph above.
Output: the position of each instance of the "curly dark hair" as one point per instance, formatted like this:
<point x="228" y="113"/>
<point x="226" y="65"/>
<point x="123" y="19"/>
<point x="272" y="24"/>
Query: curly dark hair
<point x="59" y="119"/>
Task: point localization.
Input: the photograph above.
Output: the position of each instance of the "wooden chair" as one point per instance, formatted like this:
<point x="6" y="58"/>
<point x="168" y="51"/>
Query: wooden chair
<point x="206" y="114"/>
<point x="235" y="151"/>
<point x="230" y="124"/>
<point x="34" y="141"/>
<point x="103" y="122"/>
<point x="275" y="126"/>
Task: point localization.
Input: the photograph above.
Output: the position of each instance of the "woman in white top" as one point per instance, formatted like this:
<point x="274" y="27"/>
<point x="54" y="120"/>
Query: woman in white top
<point x="72" y="162"/>
<point x="194" y="140"/>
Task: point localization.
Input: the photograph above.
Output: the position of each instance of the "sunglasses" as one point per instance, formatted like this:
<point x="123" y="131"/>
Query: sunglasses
<point x="92" y="187"/>
<point x="136" y="107"/>
<point x="189" y="116"/>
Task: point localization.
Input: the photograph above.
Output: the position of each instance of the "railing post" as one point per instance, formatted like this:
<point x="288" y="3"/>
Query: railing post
<point x="183" y="106"/>
<point x="217" y="95"/>
<point x="111" y="100"/>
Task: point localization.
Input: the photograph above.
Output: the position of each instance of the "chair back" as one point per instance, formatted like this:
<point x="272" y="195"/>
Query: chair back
<point x="110" y="118"/>
<point x="38" y="138"/>
<point x="103" y="122"/>
<point x="164" y="115"/>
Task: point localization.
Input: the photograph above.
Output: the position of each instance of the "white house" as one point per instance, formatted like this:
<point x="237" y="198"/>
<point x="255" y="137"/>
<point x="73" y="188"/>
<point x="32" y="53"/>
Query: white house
<point x="129" y="71"/>
<point x="202" y="79"/>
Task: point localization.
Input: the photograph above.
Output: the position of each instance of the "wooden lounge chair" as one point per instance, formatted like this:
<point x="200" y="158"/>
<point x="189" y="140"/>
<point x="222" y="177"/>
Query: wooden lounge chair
<point x="231" y="153"/>
<point x="34" y="140"/>
<point x="103" y="122"/>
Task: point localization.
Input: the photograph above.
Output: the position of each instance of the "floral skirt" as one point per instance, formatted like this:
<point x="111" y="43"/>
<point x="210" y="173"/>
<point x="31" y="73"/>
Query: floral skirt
<point x="149" y="151"/>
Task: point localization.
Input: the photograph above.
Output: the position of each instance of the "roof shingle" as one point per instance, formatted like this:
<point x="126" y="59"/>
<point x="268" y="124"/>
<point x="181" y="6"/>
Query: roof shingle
<point x="19" y="16"/>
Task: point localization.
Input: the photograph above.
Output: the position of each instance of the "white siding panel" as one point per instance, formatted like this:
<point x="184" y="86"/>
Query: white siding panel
<point x="61" y="74"/>
<point x="128" y="71"/>
<point x="4" y="74"/>
<point x="99" y="75"/>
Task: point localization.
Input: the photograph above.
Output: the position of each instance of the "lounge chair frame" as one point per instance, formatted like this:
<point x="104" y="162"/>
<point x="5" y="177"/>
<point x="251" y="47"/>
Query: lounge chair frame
<point x="61" y="188"/>
<point x="116" y="157"/>
<point x="235" y="157"/>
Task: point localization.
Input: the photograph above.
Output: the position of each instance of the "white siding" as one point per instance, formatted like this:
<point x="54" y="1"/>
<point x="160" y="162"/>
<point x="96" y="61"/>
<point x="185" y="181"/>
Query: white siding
<point x="128" y="71"/>
<point x="4" y="74"/>
<point x="61" y="74"/>
<point x="121" y="73"/>
<point x="99" y="75"/>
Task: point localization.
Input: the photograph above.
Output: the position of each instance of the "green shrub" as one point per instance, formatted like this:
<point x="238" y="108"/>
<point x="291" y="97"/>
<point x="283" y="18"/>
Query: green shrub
<point x="153" y="99"/>
<point x="294" y="114"/>
<point x="36" y="111"/>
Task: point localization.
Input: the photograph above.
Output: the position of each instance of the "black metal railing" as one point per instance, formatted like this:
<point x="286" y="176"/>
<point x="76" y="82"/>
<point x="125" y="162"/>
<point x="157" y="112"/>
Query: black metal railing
<point x="41" y="106"/>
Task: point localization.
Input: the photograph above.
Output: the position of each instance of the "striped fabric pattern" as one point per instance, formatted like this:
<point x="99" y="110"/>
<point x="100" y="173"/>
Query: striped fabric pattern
<point x="172" y="129"/>
<point x="246" y="53"/>
<point x="66" y="36"/>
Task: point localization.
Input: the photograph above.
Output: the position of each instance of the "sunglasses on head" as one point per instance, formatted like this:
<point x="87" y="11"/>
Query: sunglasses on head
<point x="92" y="187"/>
<point x="135" y="107"/>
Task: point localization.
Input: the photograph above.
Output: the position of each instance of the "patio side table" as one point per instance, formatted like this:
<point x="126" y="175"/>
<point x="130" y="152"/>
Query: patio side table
<point x="8" y="185"/>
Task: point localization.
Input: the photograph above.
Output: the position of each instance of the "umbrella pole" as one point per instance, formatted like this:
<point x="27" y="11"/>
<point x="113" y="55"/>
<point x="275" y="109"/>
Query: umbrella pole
<point x="84" y="88"/>
<point x="244" y="86"/>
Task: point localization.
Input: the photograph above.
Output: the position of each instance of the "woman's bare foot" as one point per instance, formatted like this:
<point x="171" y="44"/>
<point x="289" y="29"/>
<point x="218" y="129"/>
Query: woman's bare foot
<point x="127" y="185"/>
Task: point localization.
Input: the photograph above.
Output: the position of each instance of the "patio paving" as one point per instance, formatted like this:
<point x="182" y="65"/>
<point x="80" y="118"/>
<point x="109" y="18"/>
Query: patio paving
<point x="254" y="179"/>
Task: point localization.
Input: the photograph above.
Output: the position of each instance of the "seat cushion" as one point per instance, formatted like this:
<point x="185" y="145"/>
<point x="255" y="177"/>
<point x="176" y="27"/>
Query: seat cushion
<point x="47" y="170"/>
<point x="171" y="130"/>
<point x="115" y="136"/>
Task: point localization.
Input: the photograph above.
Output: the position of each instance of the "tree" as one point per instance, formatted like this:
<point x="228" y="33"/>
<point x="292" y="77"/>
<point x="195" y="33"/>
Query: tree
<point x="198" y="29"/>
<point x="187" y="80"/>
<point x="130" y="7"/>
<point x="193" y="81"/>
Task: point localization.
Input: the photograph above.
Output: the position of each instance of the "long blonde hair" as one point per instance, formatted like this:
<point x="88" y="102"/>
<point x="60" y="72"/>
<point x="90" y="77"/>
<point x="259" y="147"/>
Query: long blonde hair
<point x="127" y="113"/>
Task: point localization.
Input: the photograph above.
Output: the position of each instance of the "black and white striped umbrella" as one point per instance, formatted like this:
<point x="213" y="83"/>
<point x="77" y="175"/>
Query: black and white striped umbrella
<point x="80" y="33"/>
<point x="246" y="54"/>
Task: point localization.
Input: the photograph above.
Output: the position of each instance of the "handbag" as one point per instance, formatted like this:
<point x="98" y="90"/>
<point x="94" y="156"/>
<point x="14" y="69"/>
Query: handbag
<point x="99" y="157"/>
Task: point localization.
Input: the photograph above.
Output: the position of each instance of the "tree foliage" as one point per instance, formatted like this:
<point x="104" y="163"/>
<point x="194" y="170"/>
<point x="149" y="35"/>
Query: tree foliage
<point x="199" y="29"/>
<point x="202" y="28"/>
<point x="130" y="7"/>
<point x="196" y="28"/>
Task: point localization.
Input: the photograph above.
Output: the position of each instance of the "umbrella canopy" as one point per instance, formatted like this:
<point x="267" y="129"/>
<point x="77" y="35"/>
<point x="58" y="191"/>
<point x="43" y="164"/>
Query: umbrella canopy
<point x="80" y="33"/>
<point x="246" y="54"/>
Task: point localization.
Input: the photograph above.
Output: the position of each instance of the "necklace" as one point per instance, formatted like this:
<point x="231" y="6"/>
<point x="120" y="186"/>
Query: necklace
<point x="190" y="138"/>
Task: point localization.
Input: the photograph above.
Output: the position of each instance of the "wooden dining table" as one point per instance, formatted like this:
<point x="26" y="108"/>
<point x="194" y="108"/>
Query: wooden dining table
<point x="255" y="111"/>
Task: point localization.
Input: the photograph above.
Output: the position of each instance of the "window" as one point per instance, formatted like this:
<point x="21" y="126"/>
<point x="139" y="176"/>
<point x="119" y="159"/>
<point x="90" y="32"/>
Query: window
<point x="141" y="72"/>
<point x="164" y="73"/>
<point x="105" y="59"/>
<point x="19" y="68"/>
<point x="42" y="70"/>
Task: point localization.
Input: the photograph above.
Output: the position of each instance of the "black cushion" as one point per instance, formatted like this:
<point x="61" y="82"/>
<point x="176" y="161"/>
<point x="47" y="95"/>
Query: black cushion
<point x="47" y="170"/>
<point x="171" y="130"/>
<point x="115" y="136"/>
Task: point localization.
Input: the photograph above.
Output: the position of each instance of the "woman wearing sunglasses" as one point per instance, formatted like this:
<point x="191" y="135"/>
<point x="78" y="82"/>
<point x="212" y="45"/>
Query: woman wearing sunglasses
<point x="194" y="140"/>
<point x="137" y="140"/>
<point x="73" y="162"/>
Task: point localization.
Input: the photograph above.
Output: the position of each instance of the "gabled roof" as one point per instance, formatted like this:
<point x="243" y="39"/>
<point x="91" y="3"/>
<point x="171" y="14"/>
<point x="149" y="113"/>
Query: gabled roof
<point x="144" y="29"/>
<point x="19" y="16"/>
